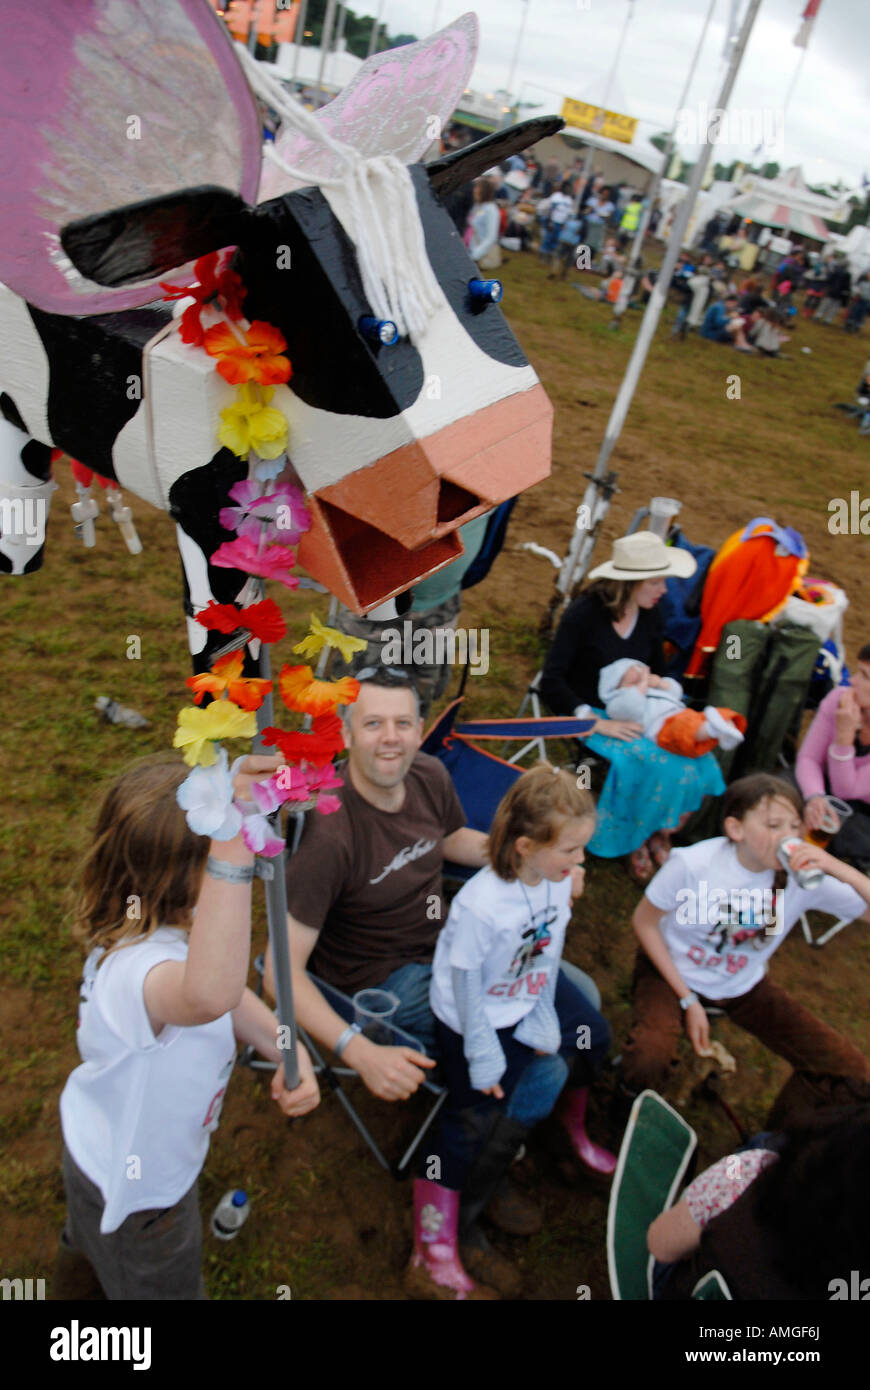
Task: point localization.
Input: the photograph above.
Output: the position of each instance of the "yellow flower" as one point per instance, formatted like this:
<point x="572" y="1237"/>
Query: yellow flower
<point x="320" y="636"/>
<point x="252" y="424"/>
<point x="197" y="728"/>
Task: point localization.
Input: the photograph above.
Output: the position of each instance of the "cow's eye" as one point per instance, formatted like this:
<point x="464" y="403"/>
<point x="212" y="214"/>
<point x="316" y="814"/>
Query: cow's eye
<point x="382" y="331"/>
<point x="483" y="292"/>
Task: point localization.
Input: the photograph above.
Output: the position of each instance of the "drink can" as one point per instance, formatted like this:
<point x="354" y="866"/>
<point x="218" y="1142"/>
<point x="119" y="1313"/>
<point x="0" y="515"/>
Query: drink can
<point x="807" y="878"/>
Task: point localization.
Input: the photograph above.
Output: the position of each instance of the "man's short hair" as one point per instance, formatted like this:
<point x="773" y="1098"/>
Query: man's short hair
<point x="386" y="678"/>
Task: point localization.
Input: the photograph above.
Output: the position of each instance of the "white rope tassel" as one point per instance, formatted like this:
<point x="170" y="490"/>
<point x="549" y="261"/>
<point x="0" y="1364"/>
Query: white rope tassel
<point x="397" y="277"/>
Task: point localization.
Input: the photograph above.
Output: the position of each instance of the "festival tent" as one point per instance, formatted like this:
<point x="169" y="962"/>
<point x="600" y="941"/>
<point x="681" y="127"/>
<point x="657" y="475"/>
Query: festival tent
<point x="634" y="164"/>
<point x="856" y="248"/>
<point x="788" y="203"/>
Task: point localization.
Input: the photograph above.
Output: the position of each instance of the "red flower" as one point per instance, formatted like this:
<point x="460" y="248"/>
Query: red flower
<point x="263" y="620"/>
<point x="317" y="747"/>
<point x="218" y="285"/>
<point x="220" y="617"/>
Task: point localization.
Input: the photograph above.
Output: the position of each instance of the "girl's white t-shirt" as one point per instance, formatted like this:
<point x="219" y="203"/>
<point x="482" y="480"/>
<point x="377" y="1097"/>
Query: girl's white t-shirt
<point x="720" y="923"/>
<point x="137" y="1114"/>
<point x="512" y="935"/>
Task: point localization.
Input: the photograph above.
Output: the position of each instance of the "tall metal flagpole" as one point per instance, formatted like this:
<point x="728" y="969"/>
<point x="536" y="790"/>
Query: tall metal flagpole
<point x="509" y="117"/>
<point x="376" y="24"/>
<point x="633" y="266"/>
<point x="300" y="36"/>
<point x="601" y="485"/>
<point x="590" y="149"/>
<point x="325" y="40"/>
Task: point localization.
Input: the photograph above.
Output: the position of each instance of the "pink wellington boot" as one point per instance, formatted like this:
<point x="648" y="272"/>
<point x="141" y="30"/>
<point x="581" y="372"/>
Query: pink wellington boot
<point x="572" y="1115"/>
<point x="435" y="1269"/>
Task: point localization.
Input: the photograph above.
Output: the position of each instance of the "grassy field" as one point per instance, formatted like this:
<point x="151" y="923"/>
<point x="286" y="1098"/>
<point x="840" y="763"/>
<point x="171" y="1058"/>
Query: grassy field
<point x="325" y="1220"/>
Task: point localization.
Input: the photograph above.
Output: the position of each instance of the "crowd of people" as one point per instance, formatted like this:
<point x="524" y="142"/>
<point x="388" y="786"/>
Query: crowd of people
<point x="719" y="288"/>
<point x="485" y="1000"/>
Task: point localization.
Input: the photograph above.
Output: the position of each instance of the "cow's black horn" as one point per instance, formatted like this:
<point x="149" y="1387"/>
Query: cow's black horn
<point x="143" y="240"/>
<point x="451" y="170"/>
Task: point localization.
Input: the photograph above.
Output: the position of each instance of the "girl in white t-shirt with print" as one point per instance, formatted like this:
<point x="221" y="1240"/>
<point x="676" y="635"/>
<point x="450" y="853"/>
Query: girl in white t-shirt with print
<point x="709" y="922"/>
<point x="511" y="1029"/>
<point x="166" y="915"/>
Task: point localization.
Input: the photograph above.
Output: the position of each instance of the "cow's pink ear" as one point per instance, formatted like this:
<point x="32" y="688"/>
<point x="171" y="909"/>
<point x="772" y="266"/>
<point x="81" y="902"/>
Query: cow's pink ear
<point x="143" y="240"/>
<point x="453" y="169"/>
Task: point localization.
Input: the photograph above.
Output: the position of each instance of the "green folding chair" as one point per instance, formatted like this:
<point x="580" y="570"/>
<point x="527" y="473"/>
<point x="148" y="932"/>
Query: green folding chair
<point x="656" y="1150"/>
<point x="712" y="1288"/>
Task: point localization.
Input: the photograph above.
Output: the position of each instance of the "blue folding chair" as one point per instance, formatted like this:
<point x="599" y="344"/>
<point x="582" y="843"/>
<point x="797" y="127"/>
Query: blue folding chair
<point x="482" y="778"/>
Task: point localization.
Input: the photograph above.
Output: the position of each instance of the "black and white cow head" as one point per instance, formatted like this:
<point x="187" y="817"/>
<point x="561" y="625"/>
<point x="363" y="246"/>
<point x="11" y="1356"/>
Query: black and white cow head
<point x="396" y="445"/>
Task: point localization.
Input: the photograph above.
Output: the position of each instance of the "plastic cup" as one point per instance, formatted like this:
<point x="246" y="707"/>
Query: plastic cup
<point x="662" y="512"/>
<point x="837" y="812"/>
<point x="372" y="1010"/>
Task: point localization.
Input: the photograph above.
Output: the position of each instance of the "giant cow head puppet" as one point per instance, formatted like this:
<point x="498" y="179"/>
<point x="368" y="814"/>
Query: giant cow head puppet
<point x="132" y="145"/>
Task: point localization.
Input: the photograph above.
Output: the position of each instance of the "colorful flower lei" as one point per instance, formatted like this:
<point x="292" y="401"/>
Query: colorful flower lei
<point x="267" y="524"/>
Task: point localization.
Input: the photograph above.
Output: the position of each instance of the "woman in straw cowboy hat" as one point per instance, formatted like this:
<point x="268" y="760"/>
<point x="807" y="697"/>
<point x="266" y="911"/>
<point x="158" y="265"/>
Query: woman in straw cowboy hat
<point x="615" y="617"/>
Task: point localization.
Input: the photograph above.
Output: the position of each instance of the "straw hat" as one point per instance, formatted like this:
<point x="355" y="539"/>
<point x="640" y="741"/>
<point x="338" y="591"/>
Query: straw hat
<point x="645" y="556"/>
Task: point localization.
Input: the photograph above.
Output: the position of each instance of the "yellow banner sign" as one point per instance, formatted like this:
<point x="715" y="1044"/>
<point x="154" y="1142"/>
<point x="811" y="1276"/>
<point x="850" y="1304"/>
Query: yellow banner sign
<point x="607" y="123"/>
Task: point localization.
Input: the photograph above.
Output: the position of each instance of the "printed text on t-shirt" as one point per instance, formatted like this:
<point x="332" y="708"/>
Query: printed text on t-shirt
<point x="533" y="982"/>
<point x="405" y="856"/>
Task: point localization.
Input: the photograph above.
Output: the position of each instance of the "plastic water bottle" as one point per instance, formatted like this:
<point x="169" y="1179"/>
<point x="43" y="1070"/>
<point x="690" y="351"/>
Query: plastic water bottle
<point x="230" y="1214"/>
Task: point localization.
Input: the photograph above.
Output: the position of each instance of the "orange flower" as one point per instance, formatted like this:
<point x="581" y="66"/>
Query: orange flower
<point x="260" y="358"/>
<point x="226" y="675"/>
<point x="300" y="690"/>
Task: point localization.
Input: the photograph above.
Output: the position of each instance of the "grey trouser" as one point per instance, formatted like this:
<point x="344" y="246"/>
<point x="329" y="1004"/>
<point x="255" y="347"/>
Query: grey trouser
<point x="154" y="1254"/>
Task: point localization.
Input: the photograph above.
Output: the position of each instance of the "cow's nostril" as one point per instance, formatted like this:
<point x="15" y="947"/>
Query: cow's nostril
<point x="485" y="291"/>
<point x="381" y="331"/>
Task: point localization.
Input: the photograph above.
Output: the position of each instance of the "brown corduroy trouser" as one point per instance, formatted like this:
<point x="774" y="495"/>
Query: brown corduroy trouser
<point x="766" y="1011"/>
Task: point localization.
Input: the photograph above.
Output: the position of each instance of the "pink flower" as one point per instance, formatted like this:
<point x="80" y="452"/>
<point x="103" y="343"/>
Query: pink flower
<point x="277" y="516"/>
<point x="273" y="562"/>
<point x="293" y="783"/>
<point x="325" y="779"/>
<point x="327" y="805"/>
<point x="287" y="784"/>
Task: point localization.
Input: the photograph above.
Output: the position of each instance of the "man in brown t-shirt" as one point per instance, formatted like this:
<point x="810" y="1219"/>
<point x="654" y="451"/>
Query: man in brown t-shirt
<point x="364" y="888"/>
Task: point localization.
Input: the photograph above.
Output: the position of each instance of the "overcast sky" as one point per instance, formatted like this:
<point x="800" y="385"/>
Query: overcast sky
<point x="569" y="47"/>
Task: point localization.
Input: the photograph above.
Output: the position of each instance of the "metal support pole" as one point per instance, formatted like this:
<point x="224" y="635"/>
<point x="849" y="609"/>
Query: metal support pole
<point x="632" y="269"/>
<point x="300" y="36"/>
<point x="276" y="906"/>
<point x="252" y="35"/>
<point x="590" y="149"/>
<point x="375" y="26"/>
<point x="508" y="118"/>
<point x="325" y="40"/>
<point x="628" y="385"/>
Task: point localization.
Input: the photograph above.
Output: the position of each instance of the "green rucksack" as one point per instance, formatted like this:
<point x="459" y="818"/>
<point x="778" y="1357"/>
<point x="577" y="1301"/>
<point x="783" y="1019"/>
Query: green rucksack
<point x="762" y="672"/>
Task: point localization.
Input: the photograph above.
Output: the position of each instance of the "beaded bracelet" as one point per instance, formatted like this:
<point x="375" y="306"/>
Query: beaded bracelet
<point x="840" y="757"/>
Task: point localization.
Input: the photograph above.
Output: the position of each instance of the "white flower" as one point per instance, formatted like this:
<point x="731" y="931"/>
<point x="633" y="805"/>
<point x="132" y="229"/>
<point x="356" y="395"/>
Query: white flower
<point x="260" y="838"/>
<point x="206" y="794"/>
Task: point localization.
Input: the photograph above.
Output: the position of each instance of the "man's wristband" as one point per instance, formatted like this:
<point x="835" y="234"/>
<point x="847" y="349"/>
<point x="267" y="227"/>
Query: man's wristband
<point x="349" y="1033"/>
<point x="688" y="1000"/>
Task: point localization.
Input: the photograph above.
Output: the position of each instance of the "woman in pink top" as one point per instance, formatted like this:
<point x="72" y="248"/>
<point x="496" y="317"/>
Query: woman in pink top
<point x="835" y="758"/>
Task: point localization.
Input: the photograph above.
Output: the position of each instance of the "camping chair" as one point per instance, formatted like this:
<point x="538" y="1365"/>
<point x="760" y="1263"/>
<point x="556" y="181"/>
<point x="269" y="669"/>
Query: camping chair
<point x="481" y="778"/>
<point x="657" y="1148"/>
<point x="820" y="941"/>
<point x="333" y="1075"/>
